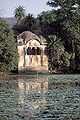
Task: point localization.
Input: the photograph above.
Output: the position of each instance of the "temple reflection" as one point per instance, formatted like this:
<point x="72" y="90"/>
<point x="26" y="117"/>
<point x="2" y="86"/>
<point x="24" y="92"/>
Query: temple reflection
<point x="32" y="93"/>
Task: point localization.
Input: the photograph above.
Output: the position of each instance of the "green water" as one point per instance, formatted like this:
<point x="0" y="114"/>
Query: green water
<point x="50" y="97"/>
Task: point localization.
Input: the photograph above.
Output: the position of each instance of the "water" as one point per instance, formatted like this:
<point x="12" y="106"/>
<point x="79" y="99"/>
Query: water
<point x="54" y="97"/>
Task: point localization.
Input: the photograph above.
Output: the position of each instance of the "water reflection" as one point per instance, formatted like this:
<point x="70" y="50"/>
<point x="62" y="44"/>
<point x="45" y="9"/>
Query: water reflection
<point x="42" y="98"/>
<point x="32" y="94"/>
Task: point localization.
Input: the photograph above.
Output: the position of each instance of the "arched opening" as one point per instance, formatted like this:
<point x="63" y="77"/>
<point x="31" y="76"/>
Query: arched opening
<point x="29" y="51"/>
<point x="38" y="51"/>
<point x="33" y="51"/>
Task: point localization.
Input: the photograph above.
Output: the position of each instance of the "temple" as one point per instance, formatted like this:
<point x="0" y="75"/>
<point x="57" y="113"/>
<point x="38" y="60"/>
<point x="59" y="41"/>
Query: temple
<point x="32" y="53"/>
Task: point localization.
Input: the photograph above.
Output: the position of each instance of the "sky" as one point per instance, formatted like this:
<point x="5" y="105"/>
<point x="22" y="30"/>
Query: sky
<point x="34" y="7"/>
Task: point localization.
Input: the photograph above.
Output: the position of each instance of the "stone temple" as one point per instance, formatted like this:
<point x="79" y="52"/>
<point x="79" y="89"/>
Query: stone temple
<point x="32" y="53"/>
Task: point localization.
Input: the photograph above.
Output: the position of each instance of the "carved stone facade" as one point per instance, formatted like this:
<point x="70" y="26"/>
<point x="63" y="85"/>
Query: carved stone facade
<point x="31" y="51"/>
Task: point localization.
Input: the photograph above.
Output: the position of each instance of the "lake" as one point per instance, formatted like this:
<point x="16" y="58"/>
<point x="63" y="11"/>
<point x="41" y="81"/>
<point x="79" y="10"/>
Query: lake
<point x="46" y="97"/>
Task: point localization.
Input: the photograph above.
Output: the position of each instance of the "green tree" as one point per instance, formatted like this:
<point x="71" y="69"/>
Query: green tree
<point x="27" y="24"/>
<point x="55" y="49"/>
<point x="46" y="22"/>
<point x="47" y="17"/>
<point x="58" y="58"/>
<point x="8" y="50"/>
<point x="29" y="21"/>
<point x="65" y="59"/>
<point x="68" y="15"/>
<point x="19" y="13"/>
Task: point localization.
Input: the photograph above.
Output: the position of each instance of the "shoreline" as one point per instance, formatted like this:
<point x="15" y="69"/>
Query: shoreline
<point x="4" y="75"/>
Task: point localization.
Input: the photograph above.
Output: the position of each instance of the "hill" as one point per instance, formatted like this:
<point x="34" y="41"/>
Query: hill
<point x="11" y="21"/>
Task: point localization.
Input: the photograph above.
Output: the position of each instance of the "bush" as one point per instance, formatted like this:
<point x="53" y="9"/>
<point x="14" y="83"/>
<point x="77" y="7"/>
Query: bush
<point x="66" y="59"/>
<point x="8" y="49"/>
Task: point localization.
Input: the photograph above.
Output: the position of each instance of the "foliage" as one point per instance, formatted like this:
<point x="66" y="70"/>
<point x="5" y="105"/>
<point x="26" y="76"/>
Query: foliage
<point x="19" y="13"/>
<point x="55" y="49"/>
<point x="61" y="28"/>
<point x="29" y="22"/>
<point x="66" y="59"/>
<point x="26" y="24"/>
<point x="68" y="16"/>
<point x="57" y="56"/>
<point x="47" y="17"/>
<point x="46" y="22"/>
<point x="8" y="51"/>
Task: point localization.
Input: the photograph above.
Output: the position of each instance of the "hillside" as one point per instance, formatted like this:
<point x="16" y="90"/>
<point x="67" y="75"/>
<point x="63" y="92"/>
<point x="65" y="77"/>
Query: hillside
<point x="12" y="21"/>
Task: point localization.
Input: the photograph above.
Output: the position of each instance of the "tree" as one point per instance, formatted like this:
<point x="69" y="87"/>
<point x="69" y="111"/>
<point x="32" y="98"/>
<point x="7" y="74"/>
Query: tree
<point x="58" y="57"/>
<point x="68" y="15"/>
<point x="46" y="21"/>
<point x="8" y="50"/>
<point x="55" y="49"/>
<point x="47" y="17"/>
<point x="19" y="13"/>
<point x="29" y="21"/>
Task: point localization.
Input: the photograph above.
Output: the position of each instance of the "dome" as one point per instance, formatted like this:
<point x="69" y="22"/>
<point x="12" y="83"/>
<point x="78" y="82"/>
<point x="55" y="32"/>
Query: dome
<point x="27" y="35"/>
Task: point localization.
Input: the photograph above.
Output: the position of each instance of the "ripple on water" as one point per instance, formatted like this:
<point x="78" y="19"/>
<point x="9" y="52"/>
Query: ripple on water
<point x="54" y="97"/>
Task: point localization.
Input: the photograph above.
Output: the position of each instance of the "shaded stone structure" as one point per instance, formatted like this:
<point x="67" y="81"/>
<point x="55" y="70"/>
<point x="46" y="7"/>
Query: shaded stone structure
<point x="31" y="51"/>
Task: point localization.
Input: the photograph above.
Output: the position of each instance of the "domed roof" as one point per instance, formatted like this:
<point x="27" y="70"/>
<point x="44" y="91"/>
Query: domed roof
<point x="27" y="35"/>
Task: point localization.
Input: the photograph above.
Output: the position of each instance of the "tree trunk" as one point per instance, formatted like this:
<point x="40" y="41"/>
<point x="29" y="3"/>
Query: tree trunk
<point x="73" y="64"/>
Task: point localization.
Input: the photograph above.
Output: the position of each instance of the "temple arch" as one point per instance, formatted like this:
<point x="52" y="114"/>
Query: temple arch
<point x="29" y="51"/>
<point x="38" y="51"/>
